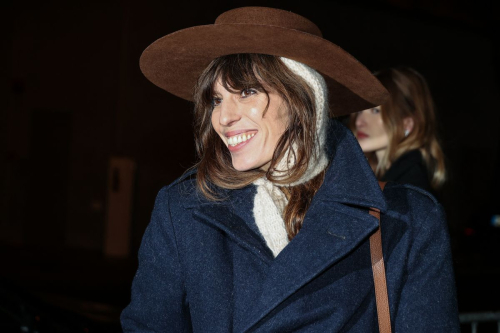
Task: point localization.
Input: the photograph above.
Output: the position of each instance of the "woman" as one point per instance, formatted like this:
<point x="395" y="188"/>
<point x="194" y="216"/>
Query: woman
<point x="269" y="233"/>
<point x="399" y="137"/>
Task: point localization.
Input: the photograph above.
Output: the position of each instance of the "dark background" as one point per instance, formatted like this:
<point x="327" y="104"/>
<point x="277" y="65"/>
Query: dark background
<point x="72" y="97"/>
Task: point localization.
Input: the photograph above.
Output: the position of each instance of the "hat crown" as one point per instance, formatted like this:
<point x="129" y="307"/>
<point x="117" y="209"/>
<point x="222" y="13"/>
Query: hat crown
<point x="268" y="16"/>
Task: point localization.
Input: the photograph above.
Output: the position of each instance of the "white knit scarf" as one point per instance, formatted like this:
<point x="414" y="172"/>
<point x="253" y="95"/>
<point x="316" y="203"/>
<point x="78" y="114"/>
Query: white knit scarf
<point x="270" y="201"/>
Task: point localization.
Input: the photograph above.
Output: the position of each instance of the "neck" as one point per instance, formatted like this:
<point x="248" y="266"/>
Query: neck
<point x="380" y="154"/>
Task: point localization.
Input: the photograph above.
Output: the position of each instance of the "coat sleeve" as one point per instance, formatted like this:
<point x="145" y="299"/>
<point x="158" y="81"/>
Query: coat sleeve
<point x="428" y="300"/>
<point x="158" y="300"/>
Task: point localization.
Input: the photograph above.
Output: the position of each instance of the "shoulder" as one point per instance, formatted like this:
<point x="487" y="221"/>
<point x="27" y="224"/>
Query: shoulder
<point x="396" y="192"/>
<point x="415" y="218"/>
<point x="181" y="192"/>
<point x="409" y="168"/>
<point x="413" y="205"/>
<point x="185" y="184"/>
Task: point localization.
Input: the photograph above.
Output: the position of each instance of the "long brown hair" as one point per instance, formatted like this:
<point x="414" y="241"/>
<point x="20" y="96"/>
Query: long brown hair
<point x="265" y="73"/>
<point x="410" y="96"/>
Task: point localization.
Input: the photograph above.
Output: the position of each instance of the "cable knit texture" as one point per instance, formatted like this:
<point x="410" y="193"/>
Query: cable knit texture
<point x="269" y="201"/>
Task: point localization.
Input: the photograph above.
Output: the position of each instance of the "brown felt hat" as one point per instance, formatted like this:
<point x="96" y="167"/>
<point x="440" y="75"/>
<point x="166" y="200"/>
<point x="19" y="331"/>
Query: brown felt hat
<point x="175" y="61"/>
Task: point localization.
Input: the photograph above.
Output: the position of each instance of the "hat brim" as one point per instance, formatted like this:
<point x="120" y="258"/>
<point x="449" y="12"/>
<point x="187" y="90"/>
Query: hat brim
<point x="175" y="62"/>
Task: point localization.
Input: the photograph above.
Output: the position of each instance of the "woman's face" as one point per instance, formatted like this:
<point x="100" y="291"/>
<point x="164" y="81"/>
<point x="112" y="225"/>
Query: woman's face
<point x="250" y="135"/>
<point x="370" y="131"/>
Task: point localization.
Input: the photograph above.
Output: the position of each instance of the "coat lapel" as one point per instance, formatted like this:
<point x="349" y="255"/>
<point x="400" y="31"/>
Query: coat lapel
<point x="329" y="233"/>
<point x="223" y="216"/>
<point x="335" y="224"/>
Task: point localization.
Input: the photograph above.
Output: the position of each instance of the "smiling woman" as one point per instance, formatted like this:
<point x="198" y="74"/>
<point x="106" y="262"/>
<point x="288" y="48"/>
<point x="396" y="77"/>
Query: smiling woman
<point x="269" y="231"/>
<point x="258" y="95"/>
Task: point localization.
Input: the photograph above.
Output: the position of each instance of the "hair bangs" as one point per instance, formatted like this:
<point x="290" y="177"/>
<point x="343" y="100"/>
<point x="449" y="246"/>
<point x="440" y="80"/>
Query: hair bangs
<point x="235" y="73"/>
<point x="239" y="73"/>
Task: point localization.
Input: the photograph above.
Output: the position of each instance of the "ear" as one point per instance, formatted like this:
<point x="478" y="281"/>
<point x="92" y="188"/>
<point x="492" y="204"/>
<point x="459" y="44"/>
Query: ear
<point x="408" y="124"/>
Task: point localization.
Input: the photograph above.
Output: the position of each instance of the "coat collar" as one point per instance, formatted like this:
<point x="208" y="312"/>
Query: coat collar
<point x="349" y="182"/>
<point x="349" y="179"/>
<point x="336" y="222"/>
<point x="404" y="163"/>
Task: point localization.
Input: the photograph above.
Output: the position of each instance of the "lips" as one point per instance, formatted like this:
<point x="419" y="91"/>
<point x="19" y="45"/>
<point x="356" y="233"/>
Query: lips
<point x="361" y="135"/>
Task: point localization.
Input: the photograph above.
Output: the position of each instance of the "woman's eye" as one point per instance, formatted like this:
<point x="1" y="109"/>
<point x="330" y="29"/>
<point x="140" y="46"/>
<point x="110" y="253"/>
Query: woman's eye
<point x="248" y="92"/>
<point x="216" y="101"/>
<point x="376" y="110"/>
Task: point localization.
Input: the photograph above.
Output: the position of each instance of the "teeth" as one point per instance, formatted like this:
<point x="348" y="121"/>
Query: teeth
<point x="234" y="140"/>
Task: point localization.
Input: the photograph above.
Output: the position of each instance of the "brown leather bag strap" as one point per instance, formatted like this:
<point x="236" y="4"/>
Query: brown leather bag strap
<point x="378" y="268"/>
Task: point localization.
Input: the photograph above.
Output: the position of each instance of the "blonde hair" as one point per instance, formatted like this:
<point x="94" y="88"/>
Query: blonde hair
<point x="410" y="97"/>
<point x="214" y="169"/>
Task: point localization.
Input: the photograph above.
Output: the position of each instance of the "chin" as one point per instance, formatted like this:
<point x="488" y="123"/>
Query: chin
<point x="371" y="149"/>
<point x="366" y="148"/>
<point x="239" y="166"/>
<point x="246" y="165"/>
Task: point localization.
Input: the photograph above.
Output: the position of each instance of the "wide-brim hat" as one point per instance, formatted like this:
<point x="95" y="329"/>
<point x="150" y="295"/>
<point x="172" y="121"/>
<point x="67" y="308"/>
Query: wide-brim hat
<point x="175" y="61"/>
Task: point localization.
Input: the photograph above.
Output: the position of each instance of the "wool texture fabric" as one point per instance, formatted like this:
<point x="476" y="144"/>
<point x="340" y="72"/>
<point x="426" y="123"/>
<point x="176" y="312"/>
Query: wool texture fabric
<point x="203" y="267"/>
<point x="270" y="201"/>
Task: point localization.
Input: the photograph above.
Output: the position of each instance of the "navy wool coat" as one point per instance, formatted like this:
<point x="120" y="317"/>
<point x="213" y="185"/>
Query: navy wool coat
<point x="204" y="267"/>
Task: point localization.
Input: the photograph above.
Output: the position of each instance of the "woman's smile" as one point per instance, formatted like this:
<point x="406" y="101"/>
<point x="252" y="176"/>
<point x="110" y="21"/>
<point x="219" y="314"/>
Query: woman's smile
<point x="236" y="141"/>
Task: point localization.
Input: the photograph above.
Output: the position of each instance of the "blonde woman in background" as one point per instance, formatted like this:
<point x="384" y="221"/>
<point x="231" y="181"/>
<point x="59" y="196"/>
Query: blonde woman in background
<point x="399" y="137"/>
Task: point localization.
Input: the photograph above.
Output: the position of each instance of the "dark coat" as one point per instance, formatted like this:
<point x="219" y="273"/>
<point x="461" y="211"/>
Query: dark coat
<point x="410" y="168"/>
<point x="203" y="266"/>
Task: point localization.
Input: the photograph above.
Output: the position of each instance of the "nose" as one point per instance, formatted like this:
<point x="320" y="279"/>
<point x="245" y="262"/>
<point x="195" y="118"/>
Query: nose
<point x="229" y="112"/>
<point x="361" y="119"/>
